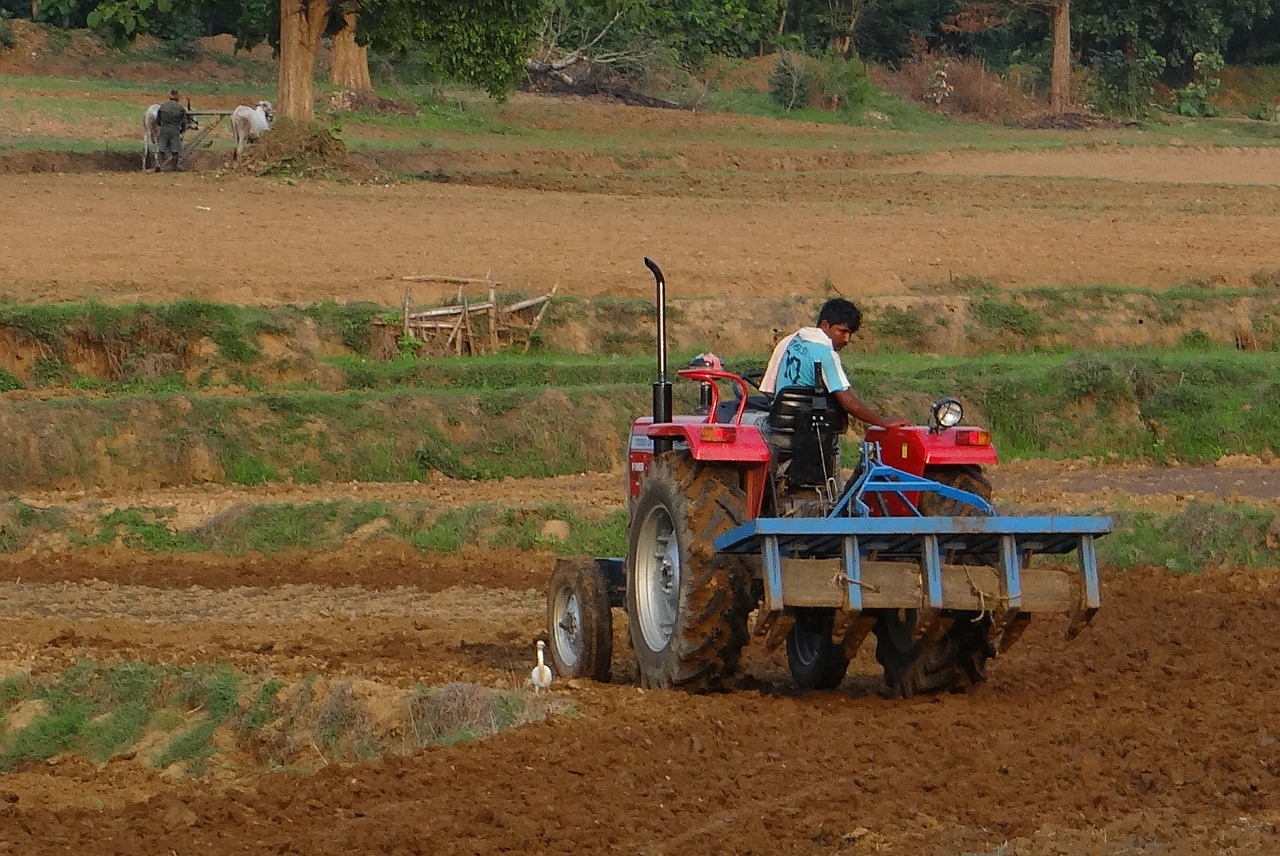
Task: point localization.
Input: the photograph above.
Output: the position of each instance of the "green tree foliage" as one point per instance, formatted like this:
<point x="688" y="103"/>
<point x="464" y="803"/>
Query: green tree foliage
<point x="1176" y="30"/>
<point x="1122" y="85"/>
<point x="695" y="29"/>
<point x="889" y="30"/>
<point x="119" y="21"/>
<point x="484" y="42"/>
<point x="67" y="14"/>
<point x="253" y="21"/>
<point x="727" y="27"/>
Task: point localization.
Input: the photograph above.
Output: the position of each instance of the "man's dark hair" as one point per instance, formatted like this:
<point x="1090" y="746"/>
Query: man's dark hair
<point x="837" y="310"/>
<point x="173" y="93"/>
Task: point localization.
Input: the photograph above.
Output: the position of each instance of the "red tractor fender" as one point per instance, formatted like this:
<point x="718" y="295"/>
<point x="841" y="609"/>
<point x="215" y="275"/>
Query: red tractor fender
<point x="743" y="446"/>
<point x="707" y="440"/>
<point x="911" y="448"/>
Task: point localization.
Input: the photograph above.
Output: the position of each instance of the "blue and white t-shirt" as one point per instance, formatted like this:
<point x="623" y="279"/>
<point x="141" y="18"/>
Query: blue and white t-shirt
<point x="793" y="360"/>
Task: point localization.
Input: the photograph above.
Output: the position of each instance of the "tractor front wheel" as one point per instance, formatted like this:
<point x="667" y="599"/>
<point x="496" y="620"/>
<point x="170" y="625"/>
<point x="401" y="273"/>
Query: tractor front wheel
<point x="687" y="604"/>
<point x="815" y="661"/>
<point x="579" y="621"/>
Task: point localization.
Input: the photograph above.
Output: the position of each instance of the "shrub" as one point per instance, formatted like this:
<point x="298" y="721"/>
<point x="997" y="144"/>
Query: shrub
<point x="958" y="86"/>
<point x="1123" y="87"/>
<point x="7" y="38"/>
<point x="1264" y="110"/>
<point x="977" y="91"/>
<point x="840" y="84"/>
<point x="791" y="83"/>
<point x="1193" y="99"/>
<point x="8" y="381"/>
<point x="1197" y="340"/>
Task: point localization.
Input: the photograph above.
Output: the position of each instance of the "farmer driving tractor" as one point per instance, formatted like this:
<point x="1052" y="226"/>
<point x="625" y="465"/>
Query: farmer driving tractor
<point x="793" y="360"/>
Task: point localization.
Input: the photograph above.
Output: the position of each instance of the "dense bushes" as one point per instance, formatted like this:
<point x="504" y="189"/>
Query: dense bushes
<point x="830" y="82"/>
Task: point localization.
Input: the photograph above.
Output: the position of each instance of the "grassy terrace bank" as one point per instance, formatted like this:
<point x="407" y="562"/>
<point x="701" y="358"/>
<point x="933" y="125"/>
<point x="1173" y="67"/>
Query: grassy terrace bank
<point x="193" y="345"/>
<point x="1180" y="405"/>
<point x="181" y="719"/>
<point x="1204" y="534"/>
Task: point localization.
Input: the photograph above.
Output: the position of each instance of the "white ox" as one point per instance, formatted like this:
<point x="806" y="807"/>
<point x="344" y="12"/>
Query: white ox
<point x="151" y="133"/>
<point x="250" y="123"/>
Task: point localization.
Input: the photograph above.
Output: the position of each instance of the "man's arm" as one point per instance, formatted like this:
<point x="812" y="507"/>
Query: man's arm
<point x="856" y="408"/>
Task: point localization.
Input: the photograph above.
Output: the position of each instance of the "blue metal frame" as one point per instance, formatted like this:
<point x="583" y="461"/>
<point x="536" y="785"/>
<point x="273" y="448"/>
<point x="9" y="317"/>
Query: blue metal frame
<point x="878" y="478"/>
<point x="892" y="537"/>
<point x="850" y="534"/>
<point x="1002" y="542"/>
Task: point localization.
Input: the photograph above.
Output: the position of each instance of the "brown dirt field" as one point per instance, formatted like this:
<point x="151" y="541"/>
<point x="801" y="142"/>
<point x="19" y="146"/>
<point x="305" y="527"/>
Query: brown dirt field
<point x="775" y="207"/>
<point x="1077" y="218"/>
<point x="1153" y="733"/>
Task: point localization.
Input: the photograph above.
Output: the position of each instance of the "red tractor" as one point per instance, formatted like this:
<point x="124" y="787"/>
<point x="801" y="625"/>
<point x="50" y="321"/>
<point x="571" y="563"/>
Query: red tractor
<point x="742" y="509"/>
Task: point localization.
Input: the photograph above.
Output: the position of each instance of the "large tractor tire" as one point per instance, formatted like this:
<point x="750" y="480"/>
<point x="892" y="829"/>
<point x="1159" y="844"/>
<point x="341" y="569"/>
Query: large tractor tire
<point x="815" y="661"/>
<point x="954" y="663"/>
<point x="968" y="477"/>
<point x="687" y="604"/>
<point x="958" y="660"/>
<point x="579" y="621"/>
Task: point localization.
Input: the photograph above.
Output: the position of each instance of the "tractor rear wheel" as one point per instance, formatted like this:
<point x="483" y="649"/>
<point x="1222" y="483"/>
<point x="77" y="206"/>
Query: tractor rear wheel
<point x="954" y="663"/>
<point x="815" y="661"/>
<point x="579" y="621"/>
<point x="958" y="660"/>
<point x="687" y="604"/>
<point x="968" y="477"/>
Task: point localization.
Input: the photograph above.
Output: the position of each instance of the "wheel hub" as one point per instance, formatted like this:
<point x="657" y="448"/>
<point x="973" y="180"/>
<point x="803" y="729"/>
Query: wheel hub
<point x="568" y="627"/>
<point x="657" y="576"/>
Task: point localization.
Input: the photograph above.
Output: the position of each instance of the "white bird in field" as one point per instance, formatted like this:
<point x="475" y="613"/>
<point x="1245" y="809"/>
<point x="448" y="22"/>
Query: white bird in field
<point x="540" y="677"/>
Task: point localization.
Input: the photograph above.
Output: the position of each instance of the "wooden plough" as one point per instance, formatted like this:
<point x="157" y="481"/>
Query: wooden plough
<point x="189" y="146"/>
<point x="471" y="326"/>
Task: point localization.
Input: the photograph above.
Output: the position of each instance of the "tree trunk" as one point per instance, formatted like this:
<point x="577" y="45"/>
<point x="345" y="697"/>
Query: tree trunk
<point x="302" y="23"/>
<point x="1060" y="79"/>
<point x="350" y="60"/>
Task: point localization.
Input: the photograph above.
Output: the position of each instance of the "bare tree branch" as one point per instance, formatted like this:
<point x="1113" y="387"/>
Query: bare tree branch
<point x="553" y="29"/>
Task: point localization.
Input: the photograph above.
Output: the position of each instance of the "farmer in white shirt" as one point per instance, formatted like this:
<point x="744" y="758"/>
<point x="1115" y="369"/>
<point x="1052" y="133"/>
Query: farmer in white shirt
<point x="794" y="358"/>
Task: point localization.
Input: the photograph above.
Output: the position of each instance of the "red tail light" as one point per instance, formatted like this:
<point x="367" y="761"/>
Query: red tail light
<point x="973" y="437"/>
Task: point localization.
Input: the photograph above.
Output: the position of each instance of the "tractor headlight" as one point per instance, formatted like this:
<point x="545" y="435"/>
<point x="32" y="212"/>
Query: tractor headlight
<point x="947" y="413"/>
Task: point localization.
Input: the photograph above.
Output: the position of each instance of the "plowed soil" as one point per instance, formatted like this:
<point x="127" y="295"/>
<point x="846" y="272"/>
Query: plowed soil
<point x="129" y="237"/>
<point x="1154" y="733"/>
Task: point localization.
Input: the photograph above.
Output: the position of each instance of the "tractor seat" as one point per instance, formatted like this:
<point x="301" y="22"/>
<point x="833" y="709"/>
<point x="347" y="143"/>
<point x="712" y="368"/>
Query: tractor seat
<point x="804" y="427"/>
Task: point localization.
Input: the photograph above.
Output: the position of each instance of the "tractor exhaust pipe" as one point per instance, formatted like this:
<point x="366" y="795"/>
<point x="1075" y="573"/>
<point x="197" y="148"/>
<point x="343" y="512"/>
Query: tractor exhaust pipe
<point x="661" y="386"/>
